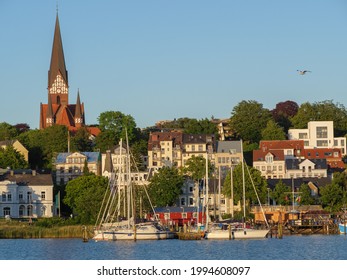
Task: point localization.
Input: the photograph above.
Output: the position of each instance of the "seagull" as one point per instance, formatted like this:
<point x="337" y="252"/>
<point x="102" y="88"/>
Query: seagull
<point x="303" y="72"/>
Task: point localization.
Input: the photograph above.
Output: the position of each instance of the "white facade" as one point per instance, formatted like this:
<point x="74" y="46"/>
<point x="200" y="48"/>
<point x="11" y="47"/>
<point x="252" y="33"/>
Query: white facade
<point x="319" y="134"/>
<point x="20" y="200"/>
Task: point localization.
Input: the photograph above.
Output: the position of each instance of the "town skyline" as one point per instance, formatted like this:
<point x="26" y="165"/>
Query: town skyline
<point x="159" y="61"/>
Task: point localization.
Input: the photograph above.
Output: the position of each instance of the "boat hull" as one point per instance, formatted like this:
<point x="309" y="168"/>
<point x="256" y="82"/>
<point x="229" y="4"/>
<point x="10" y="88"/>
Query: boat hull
<point x="343" y="228"/>
<point x="143" y="232"/>
<point x="238" y="234"/>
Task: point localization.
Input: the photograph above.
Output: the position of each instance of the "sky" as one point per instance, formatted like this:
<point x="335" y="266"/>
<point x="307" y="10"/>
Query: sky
<point x="159" y="59"/>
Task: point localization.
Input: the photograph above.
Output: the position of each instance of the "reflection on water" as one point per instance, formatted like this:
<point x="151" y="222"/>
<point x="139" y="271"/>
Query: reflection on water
<point x="313" y="247"/>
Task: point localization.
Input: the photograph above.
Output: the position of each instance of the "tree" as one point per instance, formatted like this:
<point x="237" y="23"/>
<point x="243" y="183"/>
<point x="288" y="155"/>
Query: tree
<point x="283" y="112"/>
<point x="195" y="168"/>
<point x="252" y="177"/>
<point x="9" y="157"/>
<point x="81" y="142"/>
<point x="273" y="131"/>
<point x="7" y="131"/>
<point x="165" y="187"/>
<point x="305" y="195"/>
<point x="281" y="194"/>
<point x="332" y="197"/>
<point x="248" y="119"/>
<point x="322" y="111"/>
<point x="114" y="125"/>
<point x="84" y="196"/>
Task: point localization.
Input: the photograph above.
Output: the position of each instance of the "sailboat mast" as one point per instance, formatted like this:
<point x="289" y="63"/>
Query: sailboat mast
<point x="243" y="183"/>
<point x="206" y="185"/>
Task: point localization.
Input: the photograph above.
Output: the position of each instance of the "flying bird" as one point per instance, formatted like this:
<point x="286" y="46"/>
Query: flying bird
<point x="303" y="72"/>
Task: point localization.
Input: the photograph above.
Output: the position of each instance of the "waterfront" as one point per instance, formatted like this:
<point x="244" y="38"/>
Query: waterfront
<point x="305" y="247"/>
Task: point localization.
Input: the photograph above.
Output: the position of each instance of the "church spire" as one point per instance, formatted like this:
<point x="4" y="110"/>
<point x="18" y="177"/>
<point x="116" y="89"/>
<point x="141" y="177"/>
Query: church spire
<point x="57" y="59"/>
<point x="78" y="111"/>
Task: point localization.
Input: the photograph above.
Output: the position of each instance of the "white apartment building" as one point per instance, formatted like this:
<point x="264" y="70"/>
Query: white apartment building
<point x="115" y="163"/>
<point x="319" y="134"/>
<point x="26" y="195"/>
<point x="70" y="165"/>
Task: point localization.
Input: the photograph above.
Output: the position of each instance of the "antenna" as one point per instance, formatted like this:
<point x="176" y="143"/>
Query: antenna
<point x="57" y="6"/>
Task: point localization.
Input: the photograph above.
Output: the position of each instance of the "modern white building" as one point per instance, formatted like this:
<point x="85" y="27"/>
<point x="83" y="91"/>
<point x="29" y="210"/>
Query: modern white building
<point x="26" y="195"/>
<point x="319" y="134"/>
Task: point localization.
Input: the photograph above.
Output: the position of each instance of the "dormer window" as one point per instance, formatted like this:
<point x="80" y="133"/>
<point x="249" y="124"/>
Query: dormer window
<point x="269" y="158"/>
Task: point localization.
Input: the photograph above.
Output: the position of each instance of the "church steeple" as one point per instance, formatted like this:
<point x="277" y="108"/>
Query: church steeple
<point x="57" y="59"/>
<point x="78" y="111"/>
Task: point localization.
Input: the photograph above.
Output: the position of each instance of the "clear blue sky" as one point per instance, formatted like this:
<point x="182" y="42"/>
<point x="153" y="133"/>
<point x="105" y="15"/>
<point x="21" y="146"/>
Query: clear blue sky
<point x="160" y="59"/>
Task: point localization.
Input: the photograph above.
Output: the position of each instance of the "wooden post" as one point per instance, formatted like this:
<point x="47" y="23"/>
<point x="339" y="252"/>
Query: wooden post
<point x="280" y="225"/>
<point x="229" y="229"/>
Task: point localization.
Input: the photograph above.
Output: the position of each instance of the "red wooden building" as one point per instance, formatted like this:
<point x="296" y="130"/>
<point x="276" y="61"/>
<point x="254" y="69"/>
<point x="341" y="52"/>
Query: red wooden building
<point x="179" y="216"/>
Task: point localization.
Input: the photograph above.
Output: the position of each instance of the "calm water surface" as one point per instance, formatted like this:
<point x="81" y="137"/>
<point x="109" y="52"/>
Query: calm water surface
<point x="312" y="247"/>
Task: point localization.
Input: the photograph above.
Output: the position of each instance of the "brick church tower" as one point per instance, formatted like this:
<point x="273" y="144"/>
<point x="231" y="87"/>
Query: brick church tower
<point x="58" y="110"/>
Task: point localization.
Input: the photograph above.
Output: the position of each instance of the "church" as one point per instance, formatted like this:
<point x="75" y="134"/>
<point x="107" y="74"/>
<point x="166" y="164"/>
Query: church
<point x="58" y="110"/>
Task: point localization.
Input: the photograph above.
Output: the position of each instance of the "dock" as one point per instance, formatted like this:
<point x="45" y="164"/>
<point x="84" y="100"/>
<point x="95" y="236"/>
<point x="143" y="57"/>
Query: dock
<point x="190" y="235"/>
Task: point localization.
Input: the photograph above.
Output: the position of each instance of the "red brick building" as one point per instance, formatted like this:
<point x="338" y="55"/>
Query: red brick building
<point x="58" y="110"/>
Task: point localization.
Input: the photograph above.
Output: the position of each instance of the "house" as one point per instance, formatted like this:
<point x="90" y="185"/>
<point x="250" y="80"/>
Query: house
<point x="18" y="146"/>
<point x="298" y="168"/>
<point x="175" y="148"/>
<point x="115" y="162"/>
<point x="318" y="135"/>
<point x="26" y="194"/>
<point x="179" y="216"/>
<point x="69" y="166"/>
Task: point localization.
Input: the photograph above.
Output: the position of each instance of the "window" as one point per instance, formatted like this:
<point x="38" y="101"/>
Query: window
<point x="322" y="132"/>
<point x="21" y="210"/>
<point x="191" y="201"/>
<point x="280" y="168"/>
<point x="303" y="136"/>
<point x="30" y="210"/>
<point x="9" y="197"/>
<point x="167" y="216"/>
<point x="269" y="158"/>
<point x="29" y="197"/>
<point x="200" y="148"/>
<point x="43" y="195"/>
<point x="7" y="211"/>
<point x="3" y="196"/>
<point x="183" y="201"/>
<point x="184" y="215"/>
<point x="322" y="143"/>
<point x="20" y="196"/>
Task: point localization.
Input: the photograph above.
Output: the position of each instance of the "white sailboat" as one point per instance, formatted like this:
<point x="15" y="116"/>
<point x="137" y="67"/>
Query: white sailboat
<point x="237" y="230"/>
<point x="129" y="229"/>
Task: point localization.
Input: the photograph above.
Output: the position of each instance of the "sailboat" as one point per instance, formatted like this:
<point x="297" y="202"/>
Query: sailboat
<point x="108" y="226"/>
<point x="239" y="230"/>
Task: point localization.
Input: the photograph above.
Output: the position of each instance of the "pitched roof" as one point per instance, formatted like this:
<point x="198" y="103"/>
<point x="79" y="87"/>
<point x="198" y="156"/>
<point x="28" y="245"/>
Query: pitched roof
<point x="28" y="178"/>
<point x="293" y="164"/>
<point x="281" y="144"/>
<point x="259" y="155"/>
<point x="227" y="146"/>
<point x="91" y="157"/>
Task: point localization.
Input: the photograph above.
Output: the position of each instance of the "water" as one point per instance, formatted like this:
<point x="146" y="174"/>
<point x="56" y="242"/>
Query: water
<point x="311" y="247"/>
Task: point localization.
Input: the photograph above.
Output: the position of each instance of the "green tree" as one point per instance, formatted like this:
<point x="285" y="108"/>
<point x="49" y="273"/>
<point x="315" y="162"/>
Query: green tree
<point x="81" y="141"/>
<point x="195" y="168"/>
<point x="273" y="131"/>
<point x="7" y="131"/>
<point x="322" y="111"/>
<point x="9" y="157"/>
<point x="248" y="119"/>
<point x="165" y="186"/>
<point x="281" y="194"/>
<point x="305" y="195"/>
<point x="114" y="125"/>
<point x="252" y="177"/>
<point x="332" y="197"/>
<point x="84" y="196"/>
